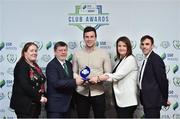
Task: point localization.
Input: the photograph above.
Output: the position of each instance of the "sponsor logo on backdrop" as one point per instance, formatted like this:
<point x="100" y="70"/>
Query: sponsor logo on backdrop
<point x="1" y="45"/>
<point x="9" y="83"/>
<point x="10" y="70"/>
<point x="1" y="58"/>
<point x="48" y="45"/>
<point x="133" y="44"/>
<point x="176" y="44"/>
<point x="104" y="45"/>
<point x="169" y="56"/>
<point x="176" y="81"/>
<point x="39" y="44"/>
<point x="172" y="94"/>
<point x="175" y="68"/>
<point x="2" y="83"/>
<point x="10" y="46"/>
<point x="12" y="58"/>
<point x="72" y="45"/>
<point x="88" y="14"/>
<point x="46" y="58"/>
<point x="2" y="95"/>
<point x="165" y="44"/>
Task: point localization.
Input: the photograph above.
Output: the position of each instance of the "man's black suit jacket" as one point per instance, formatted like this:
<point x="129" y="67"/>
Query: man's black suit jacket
<point x="154" y="91"/>
<point x="60" y="86"/>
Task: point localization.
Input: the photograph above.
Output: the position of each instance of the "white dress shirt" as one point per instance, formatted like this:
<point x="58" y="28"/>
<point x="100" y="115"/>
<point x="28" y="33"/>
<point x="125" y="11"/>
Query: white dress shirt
<point x="142" y="70"/>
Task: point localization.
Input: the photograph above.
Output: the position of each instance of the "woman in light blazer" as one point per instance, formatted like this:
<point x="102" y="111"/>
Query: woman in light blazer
<point x="124" y="78"/>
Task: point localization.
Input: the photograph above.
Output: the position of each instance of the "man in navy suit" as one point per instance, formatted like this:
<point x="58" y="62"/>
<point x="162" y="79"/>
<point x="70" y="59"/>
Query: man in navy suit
<point x="60" y="83"/>
<point x="153" y="80"/>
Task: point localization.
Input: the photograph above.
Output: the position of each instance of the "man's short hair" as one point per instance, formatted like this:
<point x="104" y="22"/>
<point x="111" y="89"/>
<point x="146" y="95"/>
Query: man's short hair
<point x="88" y="29"/>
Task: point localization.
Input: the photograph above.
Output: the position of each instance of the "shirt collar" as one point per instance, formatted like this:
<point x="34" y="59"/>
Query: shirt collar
<point x="62" y="62"/>
<point x="146" y="57"/>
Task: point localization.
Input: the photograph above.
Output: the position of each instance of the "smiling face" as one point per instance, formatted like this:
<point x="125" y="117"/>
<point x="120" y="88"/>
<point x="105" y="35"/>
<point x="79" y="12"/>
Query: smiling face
<point x="122" y="49"/>
<point x="31" y="53"/>
<point x="146" y="46"/>
<point x="90" y="39"/>
<point x="61" y="52"/>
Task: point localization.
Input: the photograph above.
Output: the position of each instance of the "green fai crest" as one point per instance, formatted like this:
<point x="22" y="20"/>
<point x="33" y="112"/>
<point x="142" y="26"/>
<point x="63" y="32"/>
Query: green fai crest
<point x="88" y="15"/>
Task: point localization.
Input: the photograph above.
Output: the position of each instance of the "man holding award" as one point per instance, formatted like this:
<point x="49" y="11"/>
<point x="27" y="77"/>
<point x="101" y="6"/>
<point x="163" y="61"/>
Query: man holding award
<point x="88" y="64"/>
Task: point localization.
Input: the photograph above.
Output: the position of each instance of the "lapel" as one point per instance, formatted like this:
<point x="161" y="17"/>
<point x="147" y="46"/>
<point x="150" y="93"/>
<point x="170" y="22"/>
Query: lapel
<point x="148" y="61"/>
<point x="117" y="65"/>
<point x="62" y="71"/>
<point x="118" y="62"/>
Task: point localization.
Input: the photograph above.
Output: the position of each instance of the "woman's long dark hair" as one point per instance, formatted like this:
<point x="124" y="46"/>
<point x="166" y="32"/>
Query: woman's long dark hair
<point x="125" y="40"/>
<point x="25" y="48"/>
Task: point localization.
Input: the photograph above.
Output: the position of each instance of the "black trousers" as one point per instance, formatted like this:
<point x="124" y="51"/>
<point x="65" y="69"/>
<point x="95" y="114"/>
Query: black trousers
<point x="152" y="112"/>
<point x="34" y="112"/>
<point x="67" y="114"/>
<point x="58" y="114"/>
<point x="84" y="104"/>
<point x="125" y="112"/>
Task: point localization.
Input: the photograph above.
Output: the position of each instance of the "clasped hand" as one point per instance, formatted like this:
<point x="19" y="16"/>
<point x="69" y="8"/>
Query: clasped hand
<point x="43" y="99"/>
<point x="97" y="79"/>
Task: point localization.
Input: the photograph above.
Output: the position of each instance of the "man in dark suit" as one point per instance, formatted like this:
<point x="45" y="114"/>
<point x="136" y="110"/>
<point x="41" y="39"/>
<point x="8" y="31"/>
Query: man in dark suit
<point x="60" y="83"/>
<point x="153" y="80"/>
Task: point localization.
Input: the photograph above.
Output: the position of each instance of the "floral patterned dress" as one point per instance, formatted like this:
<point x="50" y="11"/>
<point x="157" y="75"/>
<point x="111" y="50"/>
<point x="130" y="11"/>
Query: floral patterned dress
<point x="37" y="79"/>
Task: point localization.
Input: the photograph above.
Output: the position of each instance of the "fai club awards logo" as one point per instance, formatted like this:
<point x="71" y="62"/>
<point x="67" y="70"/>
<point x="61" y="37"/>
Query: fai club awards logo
<point x="88" y="15"/>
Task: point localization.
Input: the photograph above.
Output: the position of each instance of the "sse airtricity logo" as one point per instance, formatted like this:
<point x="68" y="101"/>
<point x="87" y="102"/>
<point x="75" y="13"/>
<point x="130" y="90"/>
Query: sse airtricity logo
<point x="88" y="15"/>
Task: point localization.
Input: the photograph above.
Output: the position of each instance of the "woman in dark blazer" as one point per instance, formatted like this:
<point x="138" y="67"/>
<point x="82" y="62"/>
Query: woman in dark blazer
<point x="28" y="88"/>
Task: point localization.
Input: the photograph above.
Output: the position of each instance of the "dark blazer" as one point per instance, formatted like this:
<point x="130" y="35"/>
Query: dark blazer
<point x="60" y="87"/>
<point x="154" y="91"/>
<point x="23" y="93"/>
